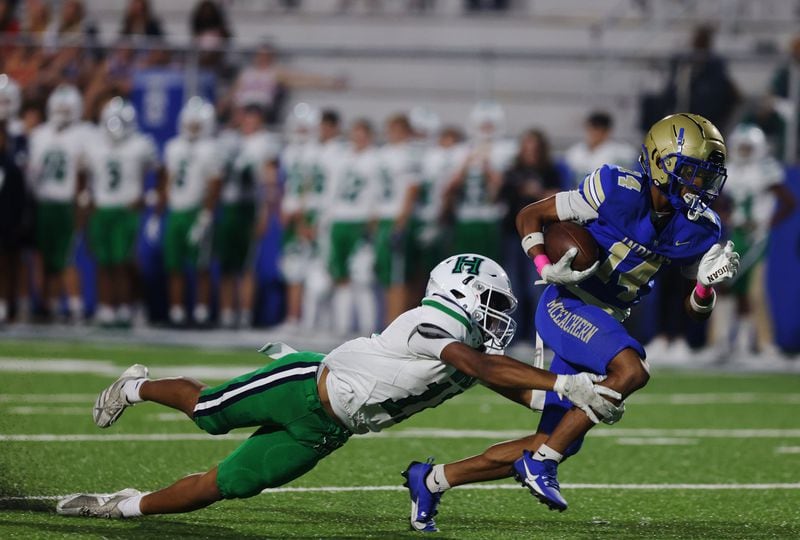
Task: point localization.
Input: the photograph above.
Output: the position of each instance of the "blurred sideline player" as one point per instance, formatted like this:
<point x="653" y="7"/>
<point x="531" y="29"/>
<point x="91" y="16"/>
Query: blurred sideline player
<point x="118" y="158"/>
<point x="439" y="164"/>
<point x="642" y="222"/>
<point x="306" y="405"/>
<point x="350" y="207"/>
<point x="192" y="189"/>
<point x="318" y="285"/>
<point x="477" y="182"/>
<point x="247" y="192"/>
<point x="14" y="198"/>
<point x="295" y="171"/>
<point x="396" y="198"/>
<point x="597" y="148"/>
<point x="760" y="201"/>
<point x="56" y="168"/>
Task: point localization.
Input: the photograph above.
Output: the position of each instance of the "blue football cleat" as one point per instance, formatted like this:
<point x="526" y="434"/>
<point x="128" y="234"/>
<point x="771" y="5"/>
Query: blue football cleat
<point x="423" y="502"/>
<point x="540" y="477"/>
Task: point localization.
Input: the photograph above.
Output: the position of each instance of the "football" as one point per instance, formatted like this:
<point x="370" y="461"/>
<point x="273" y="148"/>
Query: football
<point x="559" y="237"/>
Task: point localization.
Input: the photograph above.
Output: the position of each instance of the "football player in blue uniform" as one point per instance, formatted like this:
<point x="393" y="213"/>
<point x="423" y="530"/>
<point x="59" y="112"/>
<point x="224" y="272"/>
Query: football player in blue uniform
<point x="642" y="222"/>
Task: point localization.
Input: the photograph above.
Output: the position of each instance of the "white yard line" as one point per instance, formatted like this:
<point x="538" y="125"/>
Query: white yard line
<point x="49" y="411"/>
<point x="656" y="441"/>
<point x="787" y="450"/>
<point x="47" y="398"/>
<point x="427" y="433"/>
<point x="490" y="487"/>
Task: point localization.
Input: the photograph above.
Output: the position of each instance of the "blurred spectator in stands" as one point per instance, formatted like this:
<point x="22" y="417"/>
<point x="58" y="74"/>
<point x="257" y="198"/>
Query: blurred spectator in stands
<point x="139" y="20"/>
<point x="72" y="25"/>
<point x="9" y="25"/>
<point x="598" y="148"/>
<point x="22" y="63"/>
<point x="210" y="33"/>
<point x="699" y="82"/>
<point x="775" y="110"/>
<point x="531" y="177"/>
<point x="265" y="82"/>
<point x="37" y="19"/>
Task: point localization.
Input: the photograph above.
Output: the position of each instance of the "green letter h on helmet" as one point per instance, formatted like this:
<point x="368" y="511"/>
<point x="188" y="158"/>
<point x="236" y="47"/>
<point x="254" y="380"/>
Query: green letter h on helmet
<point x="471" y="265"/>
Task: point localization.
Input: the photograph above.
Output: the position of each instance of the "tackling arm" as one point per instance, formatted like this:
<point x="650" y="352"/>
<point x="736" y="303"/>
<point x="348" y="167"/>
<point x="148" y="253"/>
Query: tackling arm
<point x="503" y="372"/>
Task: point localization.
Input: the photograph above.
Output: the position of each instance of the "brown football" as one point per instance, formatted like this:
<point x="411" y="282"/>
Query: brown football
<point x="560" y="236"/>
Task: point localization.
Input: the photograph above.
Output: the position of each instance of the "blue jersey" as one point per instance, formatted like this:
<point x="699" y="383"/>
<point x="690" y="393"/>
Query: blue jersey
<point x="632" y="251"/>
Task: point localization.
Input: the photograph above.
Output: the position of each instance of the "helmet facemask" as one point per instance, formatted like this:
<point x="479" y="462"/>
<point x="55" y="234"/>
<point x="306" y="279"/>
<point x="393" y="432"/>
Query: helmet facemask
<point x="693" y="183"/>
<point x="493" y="314"/>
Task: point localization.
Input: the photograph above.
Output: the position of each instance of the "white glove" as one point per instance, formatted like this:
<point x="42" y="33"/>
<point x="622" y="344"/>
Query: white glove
<point x="152" y="227"/>
<point x="718" y="265"/>
<point x="561" y="272"/>
<point x="200" y="227"/>
<point x="584" y="394"/>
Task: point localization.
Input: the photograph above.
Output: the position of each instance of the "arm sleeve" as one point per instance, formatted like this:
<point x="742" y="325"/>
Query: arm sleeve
<point x="572" y="206"/>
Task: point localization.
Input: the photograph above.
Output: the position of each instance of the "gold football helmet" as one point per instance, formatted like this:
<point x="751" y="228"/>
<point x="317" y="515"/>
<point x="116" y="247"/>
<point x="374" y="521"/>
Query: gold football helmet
<point x="685" y="151"/>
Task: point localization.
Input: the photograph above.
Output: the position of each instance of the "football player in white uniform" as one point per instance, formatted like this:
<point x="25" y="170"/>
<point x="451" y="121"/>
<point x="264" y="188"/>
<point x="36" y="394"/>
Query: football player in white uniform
<point x="439" y="163"/>
<point x="247" y="194"/>
<point x="760" y="200"/>
<point x="119" y="158"/>
<point x="352" y="261"/>
<point x="295" y="170"/>
<point x="309" y="404"/>
<point x="56" y="166"/>
<point x="318" y="284"/>
<point x="476" y="184"/>
<point x="193" y="183"/>
<point x="397" y="197"/>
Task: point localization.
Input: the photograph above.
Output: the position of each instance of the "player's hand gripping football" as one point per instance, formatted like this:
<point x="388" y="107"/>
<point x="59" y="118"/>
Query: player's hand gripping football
<point x="718" y="265"/>
<point x="561" y="272"/>
<point x="582" y="391"/>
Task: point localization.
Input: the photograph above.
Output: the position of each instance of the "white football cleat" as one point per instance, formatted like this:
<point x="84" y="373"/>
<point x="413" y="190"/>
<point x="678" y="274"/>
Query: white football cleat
<point x="112" y="402"/>
<point x="99" y="506"/>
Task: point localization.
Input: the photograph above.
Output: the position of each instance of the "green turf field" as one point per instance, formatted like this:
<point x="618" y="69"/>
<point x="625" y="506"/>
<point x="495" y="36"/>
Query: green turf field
<point x="736" y="436"/>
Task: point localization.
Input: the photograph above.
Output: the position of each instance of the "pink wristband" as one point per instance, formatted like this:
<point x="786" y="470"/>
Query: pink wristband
<point x="702" y="291"/>
<point x="540" y="261"/>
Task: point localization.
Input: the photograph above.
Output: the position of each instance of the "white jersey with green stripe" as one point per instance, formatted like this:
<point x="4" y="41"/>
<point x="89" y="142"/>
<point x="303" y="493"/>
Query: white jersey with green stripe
<point x="749" y="186"/>
<point x="324" y="158"/>
<point x="354" y="186"/>
<point x="475" y="203"/>
<point x="56" y="157"/>
<point x="118" y="168"/>
<point x="379" y="381"/>
<point x="295" y="165"/>
<point x="255" y="151"/>
<point x="399" y="170"/>
<point x="191" y="165"/>
<point x="439" y="164"/>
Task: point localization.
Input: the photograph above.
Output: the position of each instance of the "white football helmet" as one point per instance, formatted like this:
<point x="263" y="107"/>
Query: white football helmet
<point x="9" y="98"/>
<point x="425" y="123"/>
<point x="197" y="119"/>
<point x="64" y="106"/>
<point x="480" y="286"/>
<point x="747" y="144"/>
<point x="487" y="121"/>
<point x="118" y="119"/>
<point x="303" y="124"/>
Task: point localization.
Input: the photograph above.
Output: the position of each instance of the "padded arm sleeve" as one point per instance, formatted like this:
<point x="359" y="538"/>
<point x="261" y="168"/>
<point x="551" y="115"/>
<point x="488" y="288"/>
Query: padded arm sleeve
<point x="571" y="206"/>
